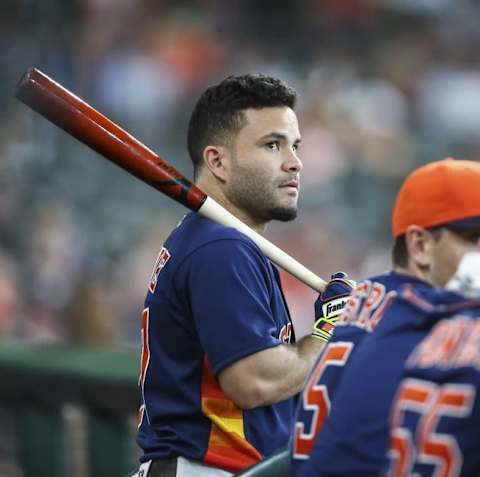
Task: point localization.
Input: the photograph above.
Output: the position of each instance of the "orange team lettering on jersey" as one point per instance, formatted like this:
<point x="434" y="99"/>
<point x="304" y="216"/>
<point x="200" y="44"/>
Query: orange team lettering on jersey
<point x="162" y="259"/>
<point x="452" y="343"/>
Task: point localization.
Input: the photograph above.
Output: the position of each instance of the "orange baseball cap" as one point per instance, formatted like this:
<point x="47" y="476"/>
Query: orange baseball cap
<point x="439" y="193"/>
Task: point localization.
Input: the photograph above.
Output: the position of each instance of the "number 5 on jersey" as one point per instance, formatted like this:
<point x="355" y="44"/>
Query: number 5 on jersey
<point x="316" y="399"/>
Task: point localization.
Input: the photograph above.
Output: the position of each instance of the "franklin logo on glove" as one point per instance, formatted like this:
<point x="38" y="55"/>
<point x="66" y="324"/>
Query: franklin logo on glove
<point x="334" y="306"/>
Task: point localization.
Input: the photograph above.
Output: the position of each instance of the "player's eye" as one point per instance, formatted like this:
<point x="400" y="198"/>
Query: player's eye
<point x="273" y="145"/>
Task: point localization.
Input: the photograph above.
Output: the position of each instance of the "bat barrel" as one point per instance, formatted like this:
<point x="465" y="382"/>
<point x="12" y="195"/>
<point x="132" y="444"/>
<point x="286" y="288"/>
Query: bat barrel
<point x="79" y="119"/>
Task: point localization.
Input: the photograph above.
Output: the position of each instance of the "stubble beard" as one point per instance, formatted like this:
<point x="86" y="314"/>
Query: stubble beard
<point x="253" y="194"/>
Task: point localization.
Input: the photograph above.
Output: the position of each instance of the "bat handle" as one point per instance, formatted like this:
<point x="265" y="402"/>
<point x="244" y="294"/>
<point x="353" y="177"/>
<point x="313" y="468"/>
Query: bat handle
<point x="213" y="210"/>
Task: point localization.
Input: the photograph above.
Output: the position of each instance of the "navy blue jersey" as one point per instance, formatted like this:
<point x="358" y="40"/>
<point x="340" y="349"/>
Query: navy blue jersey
<point x="435" y="416"/>
<point x="213" y="299"/>
<point x="355" y="435"/>
<point x="366" y="307"/>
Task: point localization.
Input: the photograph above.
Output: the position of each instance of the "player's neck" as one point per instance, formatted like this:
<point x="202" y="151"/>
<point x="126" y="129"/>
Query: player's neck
<point x="414" y="271"/>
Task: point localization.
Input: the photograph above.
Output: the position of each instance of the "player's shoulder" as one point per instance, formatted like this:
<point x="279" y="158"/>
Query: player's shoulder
<point x="376" y="287"/>
<point x="419" y="305"/>
<point x="391" y="279"/>
<point x="438" y="301"/>
<point x="194" y="231"/>
<point x="370" y="300"/>
<point x="197" y="238"/>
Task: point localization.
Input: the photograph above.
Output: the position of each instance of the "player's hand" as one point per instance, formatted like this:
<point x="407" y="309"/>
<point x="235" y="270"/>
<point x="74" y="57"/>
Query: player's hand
<point x="330" y="304"/>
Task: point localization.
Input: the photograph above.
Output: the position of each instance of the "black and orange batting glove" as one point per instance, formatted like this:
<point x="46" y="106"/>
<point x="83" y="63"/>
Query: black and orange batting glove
<point x="330" y="304"/>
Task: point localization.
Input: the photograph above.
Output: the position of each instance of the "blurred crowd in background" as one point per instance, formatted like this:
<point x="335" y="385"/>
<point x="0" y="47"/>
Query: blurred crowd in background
<point x="384" y="85"/>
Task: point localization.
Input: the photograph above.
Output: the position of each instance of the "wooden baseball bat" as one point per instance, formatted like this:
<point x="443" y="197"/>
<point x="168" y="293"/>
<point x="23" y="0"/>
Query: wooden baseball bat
<point x="79" y="119"/>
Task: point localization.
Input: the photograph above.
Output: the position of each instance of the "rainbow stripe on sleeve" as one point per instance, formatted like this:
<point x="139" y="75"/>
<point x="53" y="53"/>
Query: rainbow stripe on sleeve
<point x="228" y="447"/>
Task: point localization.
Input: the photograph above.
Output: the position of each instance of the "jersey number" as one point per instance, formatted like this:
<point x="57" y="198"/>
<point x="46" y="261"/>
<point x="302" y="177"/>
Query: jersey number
<point x="315" y="398"/>
<point x="431" y="401"/>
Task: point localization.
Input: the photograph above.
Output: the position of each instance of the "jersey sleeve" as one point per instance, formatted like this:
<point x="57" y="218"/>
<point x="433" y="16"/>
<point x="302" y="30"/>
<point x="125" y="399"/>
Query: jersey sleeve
<point x="229" y="284"/>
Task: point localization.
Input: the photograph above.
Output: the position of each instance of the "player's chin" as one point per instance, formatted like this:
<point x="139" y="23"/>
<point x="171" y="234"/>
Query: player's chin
<point x="284" y="213"/>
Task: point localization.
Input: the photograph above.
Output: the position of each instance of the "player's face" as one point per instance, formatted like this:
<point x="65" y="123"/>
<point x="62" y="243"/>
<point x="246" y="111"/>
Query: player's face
<point x="265" y="168"/>
<point x="448" y="250"/>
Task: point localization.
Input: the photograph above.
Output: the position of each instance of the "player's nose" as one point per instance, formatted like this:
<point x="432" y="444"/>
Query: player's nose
<point x="292" y="162"/>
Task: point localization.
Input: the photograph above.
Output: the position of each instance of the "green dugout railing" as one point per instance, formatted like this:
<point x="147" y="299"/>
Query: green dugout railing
<point x="36" y="382"/>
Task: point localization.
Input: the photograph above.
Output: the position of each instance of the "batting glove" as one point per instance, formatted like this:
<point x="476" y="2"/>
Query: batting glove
<point x="330" y="303"/>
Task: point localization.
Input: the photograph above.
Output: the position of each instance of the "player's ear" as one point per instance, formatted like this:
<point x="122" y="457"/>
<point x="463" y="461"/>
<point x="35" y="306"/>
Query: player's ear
<point x="216" y="161"/>
<point x="419" y="243"/>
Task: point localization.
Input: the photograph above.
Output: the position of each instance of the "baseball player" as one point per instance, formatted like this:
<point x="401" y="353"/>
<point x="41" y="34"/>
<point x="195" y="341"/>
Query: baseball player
<point x="220" y="366"/>
<point x="436" y="220"/>
<point x="435" y="414"/>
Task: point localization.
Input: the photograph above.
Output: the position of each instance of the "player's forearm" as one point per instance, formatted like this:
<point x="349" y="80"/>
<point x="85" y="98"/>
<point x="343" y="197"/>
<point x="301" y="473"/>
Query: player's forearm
<point x="271" y="375"/>
<point x="289" y="374"/>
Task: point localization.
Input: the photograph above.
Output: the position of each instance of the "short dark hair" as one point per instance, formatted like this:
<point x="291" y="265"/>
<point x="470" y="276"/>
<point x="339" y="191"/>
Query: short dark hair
<point x="400" y="252"/>
<point x="218" y="113"/>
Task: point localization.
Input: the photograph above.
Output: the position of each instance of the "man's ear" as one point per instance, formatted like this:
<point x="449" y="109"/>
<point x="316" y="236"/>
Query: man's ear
<point x="419" y="243"/>
<point x="216" y="161"/>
